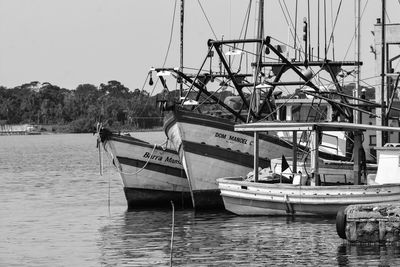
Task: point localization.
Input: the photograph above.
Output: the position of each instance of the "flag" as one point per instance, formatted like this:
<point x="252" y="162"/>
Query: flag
<point x="285" y="164"/>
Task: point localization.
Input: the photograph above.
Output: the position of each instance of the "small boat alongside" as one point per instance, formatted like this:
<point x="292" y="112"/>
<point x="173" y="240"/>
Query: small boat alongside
<point x="152" y="174"/>
<point x="249" y="198"/>
<point x="306" y="194"/>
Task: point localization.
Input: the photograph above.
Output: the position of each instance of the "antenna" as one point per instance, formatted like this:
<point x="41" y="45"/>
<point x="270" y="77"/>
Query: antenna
<point x="357" y="115"/>
<point x="295" y="33"/>
<point x="326" y="52"/>
<point x="305" y="39"/>
<point x="181" y="46"/>
<point x="383" y="58"/>
<point x="308" y="30"/>
<point x="318" y="34"/>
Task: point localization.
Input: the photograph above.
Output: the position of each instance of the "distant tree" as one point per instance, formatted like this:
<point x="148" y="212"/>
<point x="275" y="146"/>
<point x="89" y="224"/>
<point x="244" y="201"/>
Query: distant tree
<point x="114" y="89"/>
<point x="79" y="109"/>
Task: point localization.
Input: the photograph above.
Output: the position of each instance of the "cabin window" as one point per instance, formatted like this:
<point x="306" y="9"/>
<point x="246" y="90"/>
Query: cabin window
<point x="372" y="152"/>
<point x="282" y="113"/>
<point x="372" y="140"/>
<point x="304" y="113"/>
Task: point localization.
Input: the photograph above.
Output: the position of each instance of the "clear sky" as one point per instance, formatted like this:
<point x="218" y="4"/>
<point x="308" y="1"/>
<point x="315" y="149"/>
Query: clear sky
<point x="72" y="42"/>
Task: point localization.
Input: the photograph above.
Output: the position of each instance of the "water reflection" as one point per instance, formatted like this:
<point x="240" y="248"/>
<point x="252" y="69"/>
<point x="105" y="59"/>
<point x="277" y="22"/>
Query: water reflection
<point x="54" y="213"/>
<point x="142" y="238"/>
<point x="349" y="254"/>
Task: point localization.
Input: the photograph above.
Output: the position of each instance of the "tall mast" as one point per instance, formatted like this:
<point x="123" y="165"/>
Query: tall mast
<point x="260" y="26"/>
<point x="356" y="91"/>
<point x="383" y="60"/>
<point x="182" y="20"/>
<point x="357" y="114"/>
<point x="260" y="35"/>
<point x="380" y="94"/>
<point x="256" y="91"/>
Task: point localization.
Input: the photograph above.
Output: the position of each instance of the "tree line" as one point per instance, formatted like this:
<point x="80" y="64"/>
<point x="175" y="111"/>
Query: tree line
<point x="79" y="110"/>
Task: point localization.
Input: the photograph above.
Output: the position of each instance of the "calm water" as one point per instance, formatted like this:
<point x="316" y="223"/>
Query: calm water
<point x="56" y="210"/>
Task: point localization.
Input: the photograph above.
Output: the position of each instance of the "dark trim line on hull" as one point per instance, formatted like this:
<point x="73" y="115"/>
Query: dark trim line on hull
<point x="136" y="142"/>
<point x="214" y="122"/>
<point x="223" y="154"/>
<point x="163" y="169"/>
<point x="139" y="198"/>
<point x="322" y="209"/>
<point x="227" y="125"/>
<point x="198" y="119"/>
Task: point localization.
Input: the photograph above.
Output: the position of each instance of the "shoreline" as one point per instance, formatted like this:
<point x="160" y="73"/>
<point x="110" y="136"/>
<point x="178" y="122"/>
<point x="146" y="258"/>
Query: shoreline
<point x="31" y="129"/>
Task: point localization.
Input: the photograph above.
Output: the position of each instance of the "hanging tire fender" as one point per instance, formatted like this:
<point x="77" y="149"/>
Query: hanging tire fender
<point x="341" y="222"/>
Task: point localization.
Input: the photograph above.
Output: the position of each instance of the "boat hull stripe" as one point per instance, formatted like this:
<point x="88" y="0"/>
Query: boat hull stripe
<point x="222" y="154"/>
<point x="224" y="124"/>
<point x="214" y="122"/>
<point x="162" y="169"/>
<point x="139" y="198"/>
<point x="129" y="140"/>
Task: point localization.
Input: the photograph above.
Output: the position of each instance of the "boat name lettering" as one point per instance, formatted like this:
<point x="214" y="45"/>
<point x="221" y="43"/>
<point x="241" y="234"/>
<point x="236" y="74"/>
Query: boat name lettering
<point x="238" y="139"/>
<point x="155" y="157"/>
<point x="220" y="135"/>
<point x="232" y="138"/>
<point x="172" y="160"/>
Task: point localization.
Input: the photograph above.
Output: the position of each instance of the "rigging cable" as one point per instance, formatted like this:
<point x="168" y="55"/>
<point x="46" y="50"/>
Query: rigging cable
<point x="170" y="35"/>
<point x="318" y="34"/>
<point x="290" y="24"/>
<point x="165" y="58"/>
<point x="333" y="29"/>
<point x="308" y="30"/>
<point x="295" y="30"/>
<point x="352" y="39"/>
<point x="245" y="28"/>
<point x="208" y="21"/>
<point x="325" y="50"/>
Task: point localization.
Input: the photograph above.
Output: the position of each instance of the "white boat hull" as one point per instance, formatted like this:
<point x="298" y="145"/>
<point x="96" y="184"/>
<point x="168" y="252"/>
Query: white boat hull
<point x="249" y="198"/>
<point x="152" y="176"/>
<point x="209" y="148"/>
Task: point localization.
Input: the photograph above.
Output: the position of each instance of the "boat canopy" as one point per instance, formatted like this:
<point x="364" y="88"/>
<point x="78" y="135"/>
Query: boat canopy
<point x="316" y="128"/>
<point x="310" y="126"/>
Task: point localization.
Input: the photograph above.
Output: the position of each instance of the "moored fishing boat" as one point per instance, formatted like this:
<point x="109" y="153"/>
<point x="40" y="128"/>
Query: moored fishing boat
<point x="152" y="174"/>
<point x="307" y="194"/>
<point x="246" y="198"/>
<point x="207" y="144"/>
<point x="209" y="148"/>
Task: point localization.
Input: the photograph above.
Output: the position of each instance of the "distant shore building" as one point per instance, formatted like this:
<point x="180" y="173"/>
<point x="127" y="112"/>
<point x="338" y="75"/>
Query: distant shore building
<point x="10" y="129"/>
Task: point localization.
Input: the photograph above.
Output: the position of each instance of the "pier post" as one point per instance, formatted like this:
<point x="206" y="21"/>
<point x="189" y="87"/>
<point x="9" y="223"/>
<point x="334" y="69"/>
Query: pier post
<point x="315" y="155"/>
<point x="255" y="156"/>
<point x="294" y="152"/>
<point x="357" y="158"/>
<point x="369" y="223"/>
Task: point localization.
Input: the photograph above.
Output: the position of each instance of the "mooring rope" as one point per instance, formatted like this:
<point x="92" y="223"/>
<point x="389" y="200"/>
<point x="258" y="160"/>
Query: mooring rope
<point x="172" y="233"/>
<point x="111" y="157"/>
<point x="140" y="170"/>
